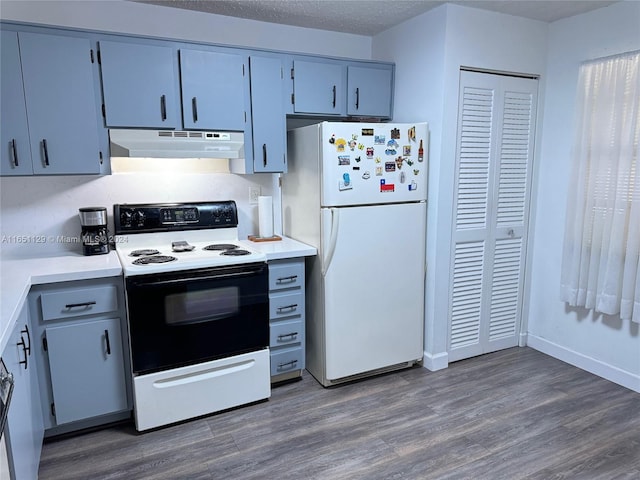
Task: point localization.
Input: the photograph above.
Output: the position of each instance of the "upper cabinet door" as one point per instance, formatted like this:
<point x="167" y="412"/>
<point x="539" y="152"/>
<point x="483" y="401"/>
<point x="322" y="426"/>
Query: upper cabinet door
<point x="140" y="85"/>
<point x="15" y="155"/>
<point x="369" y="91"/>
<point x="61" y="105"/>
<point x="214" y="87"/>
<point x="268" y="116"/>
<point x="319" y="88"/>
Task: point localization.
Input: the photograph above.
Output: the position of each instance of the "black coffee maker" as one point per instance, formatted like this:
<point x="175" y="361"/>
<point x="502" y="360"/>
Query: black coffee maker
<point x="94" y="236"/>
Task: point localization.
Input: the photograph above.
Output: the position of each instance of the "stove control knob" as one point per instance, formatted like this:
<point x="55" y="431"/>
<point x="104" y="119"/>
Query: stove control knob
<point x="139" y="218"/>
<point x="125" y="218"/>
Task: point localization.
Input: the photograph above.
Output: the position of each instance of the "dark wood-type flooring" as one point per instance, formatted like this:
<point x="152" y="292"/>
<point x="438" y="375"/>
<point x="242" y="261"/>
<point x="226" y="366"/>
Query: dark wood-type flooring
<point x="514" y="414"/>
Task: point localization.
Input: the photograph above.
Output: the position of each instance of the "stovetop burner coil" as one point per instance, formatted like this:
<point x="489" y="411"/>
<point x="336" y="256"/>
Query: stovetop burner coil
<point x="235" y="252"/>
<point x="144" y="252"/>
<point x="221" y="246"/>
<point x="154" y="259"/>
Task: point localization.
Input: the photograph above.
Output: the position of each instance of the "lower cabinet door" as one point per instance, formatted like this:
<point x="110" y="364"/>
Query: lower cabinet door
<point x="87" y="369"/>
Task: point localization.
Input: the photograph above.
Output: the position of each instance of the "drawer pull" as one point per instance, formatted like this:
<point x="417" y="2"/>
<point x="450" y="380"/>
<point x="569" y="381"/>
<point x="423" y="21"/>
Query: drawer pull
<point x="290" y="308"/>
<point x="27" y="347"/>
<point x="288" y="335"/>
<point x="69" y="306"/>
<point x="290" y="364"/>
<point x="290" y="279"/>
<point x="24" y="362"/>
<point x="14" y="152"/>
<point x="106" y="337"/>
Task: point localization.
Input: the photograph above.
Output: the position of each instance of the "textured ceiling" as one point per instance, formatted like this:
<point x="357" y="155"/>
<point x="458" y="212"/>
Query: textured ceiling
<point x="369" y="17"/>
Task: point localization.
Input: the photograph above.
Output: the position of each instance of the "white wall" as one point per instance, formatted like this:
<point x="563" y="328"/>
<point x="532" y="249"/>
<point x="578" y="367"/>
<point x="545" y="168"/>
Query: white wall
<point x="431" y="49"/>
<point x="604" y="345"/>
<point x="119" y="16"/>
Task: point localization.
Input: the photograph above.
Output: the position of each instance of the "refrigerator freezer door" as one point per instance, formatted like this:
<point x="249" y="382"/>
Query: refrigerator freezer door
<point x="374" y="287"/>
<point x="372" y="163"/>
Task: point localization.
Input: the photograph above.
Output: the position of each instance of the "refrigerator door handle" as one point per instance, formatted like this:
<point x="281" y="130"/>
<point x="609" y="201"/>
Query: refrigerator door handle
<point x="333" y="238"/>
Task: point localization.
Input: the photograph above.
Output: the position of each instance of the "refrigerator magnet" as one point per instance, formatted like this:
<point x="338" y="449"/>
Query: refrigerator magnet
<point x="378" y="160"/>
<point x="367" y="132"/>
<point x="406" y="150"/>
<point x="379" y="140"/>
<point x="413" y="186"/>
<point x="344" y="160"/>
<point x="395" y="133"/>
<point x="409" y="161"/>
<point x="412" y="133"/>
<point x="361" y="146"/>
<point x="341" y="143"/>
<point x="390" y="151"/>
<point x="386" y="187"/>
<point x="332" y="140"/>
<point x="378" y="171"/>
<point x="416" y="172"/>
<point x="390" y="166"/>
<point x="358" y="159"/>
<point x="403" y="177"/>
<point x="369" y="152"/>
<point x="399" y="161"/>
<point x="392" y="144"/>
<point x="367" y="175"/>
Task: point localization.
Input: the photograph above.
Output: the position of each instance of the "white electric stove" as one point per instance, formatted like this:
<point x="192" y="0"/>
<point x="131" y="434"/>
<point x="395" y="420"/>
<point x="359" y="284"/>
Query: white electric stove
<point x="197" y="310"/>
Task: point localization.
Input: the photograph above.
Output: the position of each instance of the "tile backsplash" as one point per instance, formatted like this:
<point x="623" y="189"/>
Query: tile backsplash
<point x="39" y="215"/>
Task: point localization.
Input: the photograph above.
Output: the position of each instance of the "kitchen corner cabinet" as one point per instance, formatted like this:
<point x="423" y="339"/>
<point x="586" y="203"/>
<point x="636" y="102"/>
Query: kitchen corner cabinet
<point x="80" y="336"/>
<point x="267" y="114"/>
<point x="24" y="426"/>
<point x="319" y="88"/>
<point x="369" y="91"/>
<point x="48" y="93"/>
<point x="286" y="318"/>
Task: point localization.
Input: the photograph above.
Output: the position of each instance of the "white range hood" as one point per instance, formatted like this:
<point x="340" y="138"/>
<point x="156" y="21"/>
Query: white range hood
<point x="176" y="144"/>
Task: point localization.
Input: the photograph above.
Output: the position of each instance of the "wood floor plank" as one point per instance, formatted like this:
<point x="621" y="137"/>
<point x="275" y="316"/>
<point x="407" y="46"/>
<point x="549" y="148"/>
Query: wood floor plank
<point x="514" y="414"/>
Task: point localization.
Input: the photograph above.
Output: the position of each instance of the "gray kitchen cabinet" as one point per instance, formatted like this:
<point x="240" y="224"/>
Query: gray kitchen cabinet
<point x="81" y="340"/>
<point x="59" y="101"/>
<point x="286" y="318"/>
<point x="214" y="90"/>
<point x="24" y="426"/>
<point x="319" y="87"/>
<point x="139" y="85"/>
<point x="15" y="156"/>
<point x="369" y="91"/>
<point x="267" y="114"/>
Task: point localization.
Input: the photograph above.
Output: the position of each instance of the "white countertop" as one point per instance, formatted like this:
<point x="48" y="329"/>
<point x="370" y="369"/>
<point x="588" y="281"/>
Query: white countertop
<point x="17" y="275"/>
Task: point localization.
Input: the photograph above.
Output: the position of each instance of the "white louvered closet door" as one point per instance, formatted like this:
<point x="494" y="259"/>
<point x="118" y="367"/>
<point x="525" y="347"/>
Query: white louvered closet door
<point x="496" y="122"/>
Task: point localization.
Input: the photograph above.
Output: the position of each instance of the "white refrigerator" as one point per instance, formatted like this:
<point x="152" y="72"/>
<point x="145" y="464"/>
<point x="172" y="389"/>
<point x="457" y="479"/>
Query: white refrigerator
<point x="357" y="192"/>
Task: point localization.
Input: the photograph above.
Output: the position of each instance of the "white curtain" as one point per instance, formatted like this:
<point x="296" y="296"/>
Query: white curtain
<point x="601" y="257"/>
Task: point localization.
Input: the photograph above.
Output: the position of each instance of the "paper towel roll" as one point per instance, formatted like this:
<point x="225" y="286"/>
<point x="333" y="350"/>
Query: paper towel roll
<point x="265" y="216"/>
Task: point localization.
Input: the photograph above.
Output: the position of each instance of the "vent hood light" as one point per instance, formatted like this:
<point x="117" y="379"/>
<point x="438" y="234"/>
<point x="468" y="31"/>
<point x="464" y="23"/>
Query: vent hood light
<point x="176" y="144"/>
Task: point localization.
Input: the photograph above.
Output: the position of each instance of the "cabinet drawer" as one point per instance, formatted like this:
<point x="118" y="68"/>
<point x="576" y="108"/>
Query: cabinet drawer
<point x="286" y="333"/>
<point x="287" y="361"/>
<point x="78" y="302"/>
<point x="286" y="275"/>
<point x="288" y="305"/>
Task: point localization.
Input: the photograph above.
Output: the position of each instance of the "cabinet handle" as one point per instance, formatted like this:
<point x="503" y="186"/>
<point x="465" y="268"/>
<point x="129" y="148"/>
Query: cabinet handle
<point x="334" y="97"/>
<point x="26" y="330"/>
<point x="69" y="306"/>
<point x="46" y="152"/>
<point x="163" y="107"/>
<point x="287" y="364"/>
<point x="14" y="152"/>
<point x="290" y="279"/>
<point x="264" y="154"/>
<point x="287" y="335"/>
<point x="291" y="307"/>
<point x="194" y="109"/>
<point x="357" y="98"/>
<point x="24" y="362"/>
<point x="106" y="337"/>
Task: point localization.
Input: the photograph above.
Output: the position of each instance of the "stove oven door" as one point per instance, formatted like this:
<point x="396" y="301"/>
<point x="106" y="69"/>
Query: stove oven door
<point x="187" y="317"/>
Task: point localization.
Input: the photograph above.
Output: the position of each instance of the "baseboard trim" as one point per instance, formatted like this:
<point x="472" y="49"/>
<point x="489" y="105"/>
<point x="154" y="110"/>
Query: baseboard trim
<point x="436" y="361"/>
<point x="591" y="365"/>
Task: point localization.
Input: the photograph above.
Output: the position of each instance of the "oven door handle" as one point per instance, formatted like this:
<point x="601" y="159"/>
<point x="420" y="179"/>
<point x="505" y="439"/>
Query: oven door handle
<point x="175" y="281"/>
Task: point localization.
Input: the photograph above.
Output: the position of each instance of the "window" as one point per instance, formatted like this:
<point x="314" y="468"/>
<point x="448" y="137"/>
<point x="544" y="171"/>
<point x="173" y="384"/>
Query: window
<point x="600" y="268"/>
